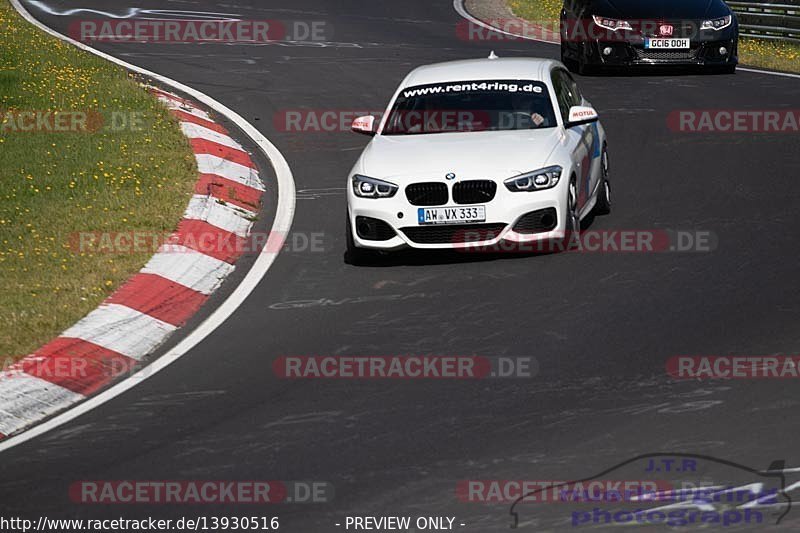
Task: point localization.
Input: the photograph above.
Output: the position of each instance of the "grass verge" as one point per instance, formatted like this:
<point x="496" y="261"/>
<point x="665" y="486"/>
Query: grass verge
<point x="763" y="53"/>
<point x="536" y="9"/>
<point x="125" y="167"/>
<point x="775" y="55"/>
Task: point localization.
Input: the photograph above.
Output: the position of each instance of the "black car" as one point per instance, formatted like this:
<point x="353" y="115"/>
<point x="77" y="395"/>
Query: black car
<point x="625" y="33"/>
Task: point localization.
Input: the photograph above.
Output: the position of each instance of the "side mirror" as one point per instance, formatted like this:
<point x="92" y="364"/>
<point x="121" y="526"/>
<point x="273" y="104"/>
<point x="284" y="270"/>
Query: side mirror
<point x="580" y="114"/>
<point x="364" y="125"/>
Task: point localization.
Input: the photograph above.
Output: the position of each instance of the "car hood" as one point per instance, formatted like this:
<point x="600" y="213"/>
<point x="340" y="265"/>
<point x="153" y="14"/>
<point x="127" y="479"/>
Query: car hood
<point x="497" y="154"/>
<point x="660" y="9"/>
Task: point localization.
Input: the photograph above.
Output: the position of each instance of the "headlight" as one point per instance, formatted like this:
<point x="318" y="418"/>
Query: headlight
<point x="366" y="187"/>
<point x="546" y="178"/>
<point x="612" y="24"/>
<point x="717" y="24"/>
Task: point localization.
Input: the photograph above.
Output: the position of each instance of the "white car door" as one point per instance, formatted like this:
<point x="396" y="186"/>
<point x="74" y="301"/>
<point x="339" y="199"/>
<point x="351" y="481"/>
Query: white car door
<point x="582" y="141"/>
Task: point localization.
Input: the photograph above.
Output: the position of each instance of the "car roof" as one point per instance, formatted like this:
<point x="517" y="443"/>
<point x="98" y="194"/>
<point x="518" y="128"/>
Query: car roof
<point x="509" y="68"/>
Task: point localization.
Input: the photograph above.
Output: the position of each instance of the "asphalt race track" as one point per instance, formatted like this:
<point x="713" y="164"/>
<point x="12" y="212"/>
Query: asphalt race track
<point x="601" y="326"/>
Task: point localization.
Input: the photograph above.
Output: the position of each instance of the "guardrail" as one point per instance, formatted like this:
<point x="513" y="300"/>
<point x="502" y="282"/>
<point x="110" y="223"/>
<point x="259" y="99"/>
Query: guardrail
<point x="766" y="20"/>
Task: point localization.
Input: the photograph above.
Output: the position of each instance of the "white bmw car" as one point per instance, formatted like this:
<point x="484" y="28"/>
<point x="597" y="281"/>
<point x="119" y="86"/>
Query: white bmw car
<point x="477" y="153"/>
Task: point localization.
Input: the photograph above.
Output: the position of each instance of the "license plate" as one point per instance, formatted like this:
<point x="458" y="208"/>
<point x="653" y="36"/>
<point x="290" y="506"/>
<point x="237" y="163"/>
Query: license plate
<point x="666" y="44"/>
<point x="451" y="215"/>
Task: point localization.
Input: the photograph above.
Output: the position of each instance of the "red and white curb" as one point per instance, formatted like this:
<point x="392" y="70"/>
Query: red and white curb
<point x="141" y="315"/>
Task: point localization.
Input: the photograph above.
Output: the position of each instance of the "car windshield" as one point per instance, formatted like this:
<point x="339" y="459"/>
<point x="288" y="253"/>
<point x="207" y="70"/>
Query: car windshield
<point x="484" y="105"/>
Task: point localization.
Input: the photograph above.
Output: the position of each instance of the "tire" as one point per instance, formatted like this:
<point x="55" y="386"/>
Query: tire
<point x="354" y="255"/>
<point x="585" y="69"/>
<point x="721" y="69"/>
<point x="581" y="67"/>
<point x="603" y="204"/>
<point x="573" y="226"/>
<point x="569" y="62"/>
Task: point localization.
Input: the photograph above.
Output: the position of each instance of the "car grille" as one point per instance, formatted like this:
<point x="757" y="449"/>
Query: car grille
<point x="680" y="29"/>
<point x="453" y="234"/>
<point x="666" y="55"/>
<point x="540" y="221"/>
<point x="373" y="229"/>
<point x="474" y="191"/>
<point x="427" y="194"/>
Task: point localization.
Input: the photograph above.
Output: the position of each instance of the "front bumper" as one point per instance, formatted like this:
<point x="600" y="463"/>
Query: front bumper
<point x="704" y="50"/>
<point x="395" y="222"/>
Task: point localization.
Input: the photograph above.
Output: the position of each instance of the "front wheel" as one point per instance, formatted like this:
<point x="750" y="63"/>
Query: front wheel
<point x="603" y="204"/>
<point x="569" y="62"/>
<point x="572" y="231"/>
<point x="583" y="68"/>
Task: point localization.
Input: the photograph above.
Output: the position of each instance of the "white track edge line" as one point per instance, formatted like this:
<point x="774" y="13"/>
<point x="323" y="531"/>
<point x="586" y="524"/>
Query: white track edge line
<point x="769" y="72"/>
<point x="461" y="9"/>
<point x="281" y="226"/>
